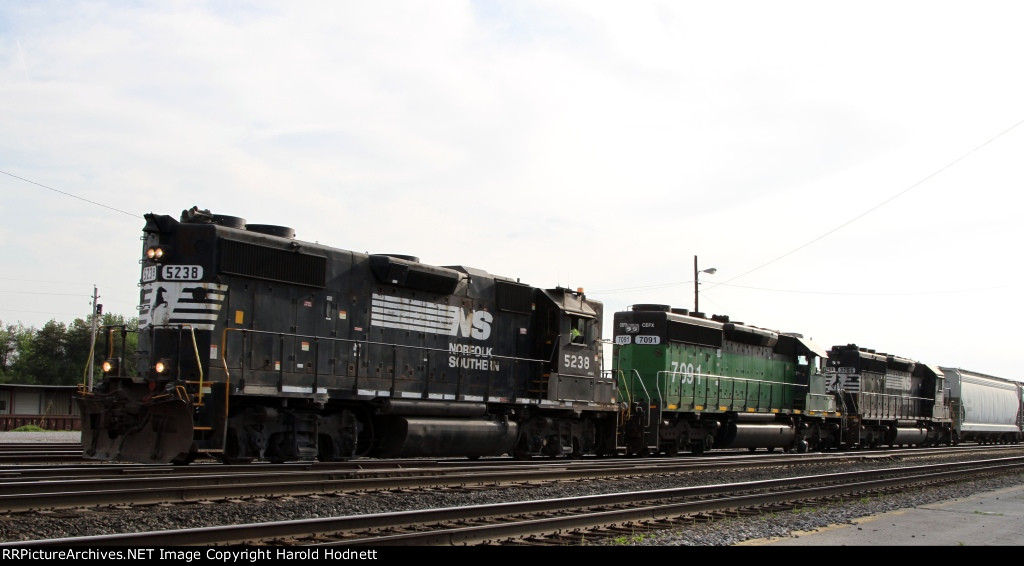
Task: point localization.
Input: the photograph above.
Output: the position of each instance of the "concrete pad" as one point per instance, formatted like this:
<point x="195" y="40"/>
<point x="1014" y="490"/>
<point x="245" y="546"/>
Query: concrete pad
<point x="994" y="518"/>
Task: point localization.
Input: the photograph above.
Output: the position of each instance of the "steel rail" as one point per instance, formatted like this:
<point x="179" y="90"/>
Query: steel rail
<point x="160" y="484"/>
<point x="505" y="522"/>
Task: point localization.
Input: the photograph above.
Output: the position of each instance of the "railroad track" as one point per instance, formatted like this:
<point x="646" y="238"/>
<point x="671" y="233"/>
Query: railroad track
<point x="33" y="489"/>
<point x="558" y="521"/>
<point x="30" y="489"/>
<point x="37" y="452"/>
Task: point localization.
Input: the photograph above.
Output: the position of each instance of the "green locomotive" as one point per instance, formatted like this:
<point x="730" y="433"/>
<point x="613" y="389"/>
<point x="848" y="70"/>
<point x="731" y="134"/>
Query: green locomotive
<point x="688" y="382"/>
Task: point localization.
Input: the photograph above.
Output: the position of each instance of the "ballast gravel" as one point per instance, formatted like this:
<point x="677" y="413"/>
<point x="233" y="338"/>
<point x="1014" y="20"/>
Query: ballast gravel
<point x="55" y="524"/>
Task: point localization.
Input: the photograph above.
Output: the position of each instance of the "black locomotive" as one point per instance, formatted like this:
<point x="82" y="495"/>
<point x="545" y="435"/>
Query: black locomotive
<point x="255" y="345"/>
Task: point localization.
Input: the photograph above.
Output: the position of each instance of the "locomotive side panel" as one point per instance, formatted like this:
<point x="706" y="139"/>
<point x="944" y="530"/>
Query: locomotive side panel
<point x="693" y="383"/>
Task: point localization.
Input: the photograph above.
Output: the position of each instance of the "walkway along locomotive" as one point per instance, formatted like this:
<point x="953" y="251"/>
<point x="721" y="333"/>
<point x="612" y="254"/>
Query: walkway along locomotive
<point x="255" y="345"/>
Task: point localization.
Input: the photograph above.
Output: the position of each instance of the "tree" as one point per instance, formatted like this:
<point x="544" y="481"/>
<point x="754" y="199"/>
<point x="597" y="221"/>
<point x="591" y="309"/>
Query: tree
<point x="42" y="359"/>
<point x="77" y="342"/>
<point x="59" y="355"/>
<point x="22" y="338"/>
<point x="11" y="337"/>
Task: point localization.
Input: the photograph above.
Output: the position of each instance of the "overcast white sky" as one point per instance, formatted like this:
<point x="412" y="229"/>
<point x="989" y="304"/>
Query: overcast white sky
<point x="853" y="170"/>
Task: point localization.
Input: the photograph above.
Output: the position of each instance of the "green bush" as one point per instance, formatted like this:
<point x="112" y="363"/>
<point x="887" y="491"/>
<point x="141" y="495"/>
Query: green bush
<point x="29" y="428"/>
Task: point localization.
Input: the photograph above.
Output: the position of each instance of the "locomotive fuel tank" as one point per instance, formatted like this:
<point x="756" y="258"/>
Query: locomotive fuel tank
<point x="412" y="437"/>
<point x="756" y="431"/>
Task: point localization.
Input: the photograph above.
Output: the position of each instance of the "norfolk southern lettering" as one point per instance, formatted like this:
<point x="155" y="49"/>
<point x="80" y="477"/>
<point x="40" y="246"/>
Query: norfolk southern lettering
<point x="471" y="357"/>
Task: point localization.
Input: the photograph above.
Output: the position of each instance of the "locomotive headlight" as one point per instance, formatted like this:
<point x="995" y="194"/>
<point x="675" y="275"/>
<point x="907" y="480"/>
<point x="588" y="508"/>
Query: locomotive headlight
<point x="156" y="253"/>
<point x="162" y="366"/>
<point x="111" y="366"/>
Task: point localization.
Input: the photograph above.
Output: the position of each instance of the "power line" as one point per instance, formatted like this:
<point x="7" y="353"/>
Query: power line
<point x="854" y="294"/>
<point x="66" y="313"/>
<point x="802" y="292"/>
<point x="874" y="208"/>
<point x="70" y="195"/>
<point x="41" y="293"/>
<point x="712" y="285"/>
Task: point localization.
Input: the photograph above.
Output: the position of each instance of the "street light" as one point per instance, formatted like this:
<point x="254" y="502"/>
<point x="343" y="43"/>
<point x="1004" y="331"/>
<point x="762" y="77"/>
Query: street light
<point x="696" y="274"/>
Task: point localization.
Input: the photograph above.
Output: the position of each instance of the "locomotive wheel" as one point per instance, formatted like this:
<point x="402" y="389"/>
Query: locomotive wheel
<point x="577" y="452"/>
<point x="697" y="447"/>
<point x="184" y="460"/>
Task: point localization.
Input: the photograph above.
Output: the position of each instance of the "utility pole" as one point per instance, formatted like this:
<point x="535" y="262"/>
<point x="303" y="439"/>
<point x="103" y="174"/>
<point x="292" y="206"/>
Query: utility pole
<point x="696" y="292"/>
<point x="96" y="310"/>
<point x="696" y="276"/>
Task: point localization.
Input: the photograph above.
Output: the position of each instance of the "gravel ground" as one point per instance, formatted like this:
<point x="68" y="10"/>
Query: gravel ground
<point x="12" y="437"/>
<point x="58" y="524"/>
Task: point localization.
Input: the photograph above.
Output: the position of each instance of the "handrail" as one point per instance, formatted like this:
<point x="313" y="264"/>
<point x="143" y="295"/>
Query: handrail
<point x="513" y="360"/>
<point x="195" y="351"/>
<point x="354" y="341"/>
<point x="614" y="374"/>
<point x="708" y="376"/>
<point x="199" y="364"/>
<point x="881" y="405"/>
<point x="647" y="395"/>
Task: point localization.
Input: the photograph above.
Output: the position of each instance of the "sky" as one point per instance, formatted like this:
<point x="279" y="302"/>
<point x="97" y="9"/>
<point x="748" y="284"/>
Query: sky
<point x="851" y="170"/>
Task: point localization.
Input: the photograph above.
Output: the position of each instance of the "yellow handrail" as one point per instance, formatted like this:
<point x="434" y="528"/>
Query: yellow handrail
<point x="199" y="364"/>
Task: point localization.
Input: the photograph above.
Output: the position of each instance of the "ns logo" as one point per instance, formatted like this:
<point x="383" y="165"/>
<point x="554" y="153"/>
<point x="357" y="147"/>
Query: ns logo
<point x="475" y="324"/>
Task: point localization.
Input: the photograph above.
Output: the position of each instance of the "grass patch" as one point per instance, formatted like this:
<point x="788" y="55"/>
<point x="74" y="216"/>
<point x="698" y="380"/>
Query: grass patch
<point x="29" y="428"/>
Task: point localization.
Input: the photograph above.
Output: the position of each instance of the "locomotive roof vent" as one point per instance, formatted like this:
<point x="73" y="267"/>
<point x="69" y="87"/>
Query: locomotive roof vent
<point x="652" y="307"/>
<point x="229" y="221"/>
<point x="271" y="230"/>
<point x="680" y="311"/>
<point x="411" y="258"/>
<point x="696" y="314"/>
<point x="720" y="317"/>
